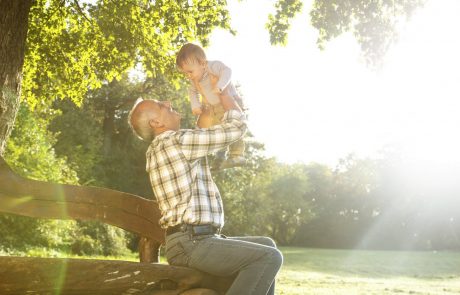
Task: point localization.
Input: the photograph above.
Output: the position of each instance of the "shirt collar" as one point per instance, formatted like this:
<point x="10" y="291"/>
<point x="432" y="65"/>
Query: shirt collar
<point x="163" y="135"/>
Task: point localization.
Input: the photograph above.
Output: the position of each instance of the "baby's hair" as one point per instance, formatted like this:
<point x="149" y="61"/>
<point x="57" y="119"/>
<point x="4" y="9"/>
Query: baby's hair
<point x="190" y="52"/>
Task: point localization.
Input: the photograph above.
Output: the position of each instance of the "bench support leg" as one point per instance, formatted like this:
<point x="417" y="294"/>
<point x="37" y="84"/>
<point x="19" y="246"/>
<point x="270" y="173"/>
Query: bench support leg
<point x="149" y="250"/>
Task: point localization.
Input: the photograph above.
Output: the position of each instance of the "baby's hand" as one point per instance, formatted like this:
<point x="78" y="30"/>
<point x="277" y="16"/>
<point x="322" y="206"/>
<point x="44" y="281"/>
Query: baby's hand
<point x="196" y="111"/>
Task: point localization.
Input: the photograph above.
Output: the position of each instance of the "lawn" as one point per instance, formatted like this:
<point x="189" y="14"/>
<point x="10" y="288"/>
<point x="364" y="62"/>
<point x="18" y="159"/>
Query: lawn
<point x="322" y="271"/>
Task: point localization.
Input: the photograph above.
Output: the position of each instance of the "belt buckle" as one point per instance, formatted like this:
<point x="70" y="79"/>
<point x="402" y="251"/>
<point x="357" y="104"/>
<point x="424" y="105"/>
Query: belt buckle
<point x="205" y="229"/>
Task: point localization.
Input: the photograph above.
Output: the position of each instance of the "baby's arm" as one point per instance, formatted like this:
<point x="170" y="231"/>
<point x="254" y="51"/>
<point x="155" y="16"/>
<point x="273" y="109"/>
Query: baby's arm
<point x="224" y="73"/>
<point x="194" y="100"/>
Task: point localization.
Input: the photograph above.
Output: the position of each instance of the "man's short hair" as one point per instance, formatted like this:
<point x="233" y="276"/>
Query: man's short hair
<point x="141" y="127"/>
<point x="190" y="52"/>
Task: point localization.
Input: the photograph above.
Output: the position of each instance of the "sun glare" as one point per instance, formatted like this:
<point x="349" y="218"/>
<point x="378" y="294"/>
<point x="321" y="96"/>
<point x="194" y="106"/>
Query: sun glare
<point x="421" y="78"/>
<point x="311" y="105"/>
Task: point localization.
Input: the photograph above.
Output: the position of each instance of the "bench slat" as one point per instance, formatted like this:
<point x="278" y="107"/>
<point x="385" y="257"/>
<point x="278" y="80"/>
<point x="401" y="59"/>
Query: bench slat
<point x="34" y="198"/>
<point x="32" y="275"/>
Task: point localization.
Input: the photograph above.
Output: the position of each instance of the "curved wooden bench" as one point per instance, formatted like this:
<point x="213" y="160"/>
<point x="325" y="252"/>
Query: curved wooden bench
<point x="29" y="275"/>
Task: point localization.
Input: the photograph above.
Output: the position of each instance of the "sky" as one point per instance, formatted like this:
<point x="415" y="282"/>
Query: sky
<point x="308" y="105"/>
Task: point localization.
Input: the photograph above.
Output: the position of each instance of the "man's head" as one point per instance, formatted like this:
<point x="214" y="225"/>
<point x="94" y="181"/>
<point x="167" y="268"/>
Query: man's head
<point x="149" y="118"/>
<point x="191" y="60"/>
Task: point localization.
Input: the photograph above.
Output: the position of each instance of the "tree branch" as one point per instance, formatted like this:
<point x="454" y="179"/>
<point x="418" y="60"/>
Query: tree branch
<point x="80" y="10"/>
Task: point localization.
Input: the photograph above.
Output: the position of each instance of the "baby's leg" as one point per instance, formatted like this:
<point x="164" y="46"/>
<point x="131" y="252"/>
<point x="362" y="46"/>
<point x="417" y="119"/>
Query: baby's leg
<point x="235" y="155"/>
<point x="205" y="120"/>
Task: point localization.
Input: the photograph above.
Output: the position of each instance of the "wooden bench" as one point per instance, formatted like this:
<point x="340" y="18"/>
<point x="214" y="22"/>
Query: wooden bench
<point x="33" y="275"/>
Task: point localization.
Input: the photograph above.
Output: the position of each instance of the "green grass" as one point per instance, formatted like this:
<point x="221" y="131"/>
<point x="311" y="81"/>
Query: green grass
<point x="51" y="253"/>
<point x="321" y="271"/>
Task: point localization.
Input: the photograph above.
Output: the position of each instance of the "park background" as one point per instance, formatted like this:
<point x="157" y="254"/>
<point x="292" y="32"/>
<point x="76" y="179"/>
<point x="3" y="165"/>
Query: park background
<point x="353" y="117"/>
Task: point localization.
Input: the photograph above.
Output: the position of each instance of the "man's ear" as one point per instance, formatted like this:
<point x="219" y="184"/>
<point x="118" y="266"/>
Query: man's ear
<point x="154" y="123"/>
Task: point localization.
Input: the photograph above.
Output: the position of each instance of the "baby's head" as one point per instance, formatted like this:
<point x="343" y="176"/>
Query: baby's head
<point x="191" y="60"/>
<point x="190" y="53"/>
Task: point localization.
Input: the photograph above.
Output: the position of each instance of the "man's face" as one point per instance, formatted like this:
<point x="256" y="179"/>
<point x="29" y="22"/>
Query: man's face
<point x="193" y="70"/>
<point x="167" y="116"/>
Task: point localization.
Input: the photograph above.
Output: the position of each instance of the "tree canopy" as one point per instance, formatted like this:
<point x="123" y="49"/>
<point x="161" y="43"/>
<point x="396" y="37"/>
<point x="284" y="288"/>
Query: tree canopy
<point x="372" y="22"/>
<point x="73" y="46"/>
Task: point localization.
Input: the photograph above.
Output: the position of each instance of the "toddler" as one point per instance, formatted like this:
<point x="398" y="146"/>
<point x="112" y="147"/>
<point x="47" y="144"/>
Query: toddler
<point x="209" y="80"/>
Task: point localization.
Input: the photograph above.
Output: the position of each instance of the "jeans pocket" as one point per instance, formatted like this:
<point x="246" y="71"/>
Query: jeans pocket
<point x="176" y="255"/>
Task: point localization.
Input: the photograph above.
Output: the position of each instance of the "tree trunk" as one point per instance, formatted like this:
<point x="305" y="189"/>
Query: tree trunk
<point x="13" y="33"/>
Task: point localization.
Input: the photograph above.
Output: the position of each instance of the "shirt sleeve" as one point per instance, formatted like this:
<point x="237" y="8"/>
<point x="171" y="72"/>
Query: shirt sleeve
<point x="224" y="73"/>
<point x="199" y="143"/>
<point x="194" y="96"/>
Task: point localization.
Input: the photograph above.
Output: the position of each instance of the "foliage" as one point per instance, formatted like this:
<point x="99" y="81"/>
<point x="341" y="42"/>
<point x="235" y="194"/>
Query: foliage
<point x="373" y="23"/>
<point x="352" y="205"/>
<point x="278" y="24"/>
<point x="264" y="198"/>
<point x="286" y="196"/>
<point x="103" y="150"/>
<point x="81" y="131"/>
<point x="383" y="204"/>
<point x="73" y="46"/>
<point x="30" y="151"/>
<point x="361" y="203"/>
<point x="95" y="238"/>
<point x="243" y="205"/>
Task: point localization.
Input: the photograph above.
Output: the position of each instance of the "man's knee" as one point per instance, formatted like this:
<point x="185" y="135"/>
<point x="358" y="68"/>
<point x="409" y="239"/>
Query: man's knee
<point x="276" y="258"/>
<point x="267" y="242"/>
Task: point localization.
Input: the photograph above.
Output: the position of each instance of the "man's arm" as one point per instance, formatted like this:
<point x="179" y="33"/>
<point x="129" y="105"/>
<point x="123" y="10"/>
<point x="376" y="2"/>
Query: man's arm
<point x="199" y="143"/>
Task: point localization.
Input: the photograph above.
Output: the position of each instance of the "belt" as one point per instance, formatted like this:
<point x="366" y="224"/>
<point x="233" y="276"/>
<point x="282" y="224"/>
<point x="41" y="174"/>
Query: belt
<point x="194" y="230"/>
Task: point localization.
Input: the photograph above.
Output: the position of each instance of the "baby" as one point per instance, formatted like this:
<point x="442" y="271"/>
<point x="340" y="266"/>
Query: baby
<point x="209" y="80"/>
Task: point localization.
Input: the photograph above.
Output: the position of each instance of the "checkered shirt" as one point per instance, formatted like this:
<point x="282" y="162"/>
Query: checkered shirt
<point x="180" y="175"/>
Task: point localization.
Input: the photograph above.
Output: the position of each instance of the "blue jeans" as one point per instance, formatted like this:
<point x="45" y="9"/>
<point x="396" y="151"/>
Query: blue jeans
<point x="254" y="260"/>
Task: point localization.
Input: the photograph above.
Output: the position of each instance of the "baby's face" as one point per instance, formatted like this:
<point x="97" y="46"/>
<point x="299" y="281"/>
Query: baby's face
<point x="193" y="70"/>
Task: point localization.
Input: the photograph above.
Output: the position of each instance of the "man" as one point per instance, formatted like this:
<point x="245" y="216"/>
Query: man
<point x="190" y="203"/>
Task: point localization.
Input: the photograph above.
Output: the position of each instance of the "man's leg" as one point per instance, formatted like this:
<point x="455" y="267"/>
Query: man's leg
<point x="254" y="264"/>
<point x="263" y="241"/>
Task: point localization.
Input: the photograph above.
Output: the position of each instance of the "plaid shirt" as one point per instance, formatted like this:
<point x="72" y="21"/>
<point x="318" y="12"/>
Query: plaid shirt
<point x="180" y="175"/>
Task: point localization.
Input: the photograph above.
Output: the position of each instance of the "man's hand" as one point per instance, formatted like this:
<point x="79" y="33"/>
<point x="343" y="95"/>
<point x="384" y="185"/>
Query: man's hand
<point x="205" y="119"/>
<point x="196" y="111"/>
